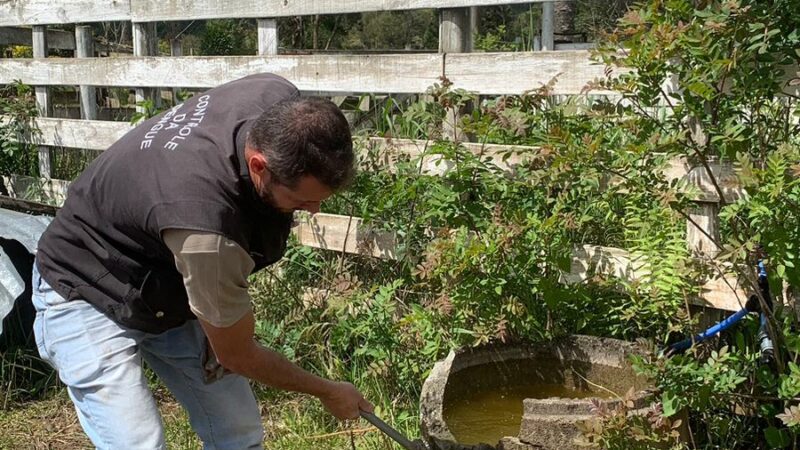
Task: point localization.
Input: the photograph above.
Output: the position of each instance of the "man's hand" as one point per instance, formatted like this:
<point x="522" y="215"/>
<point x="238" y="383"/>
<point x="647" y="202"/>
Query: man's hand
<point x="343" y="401"/>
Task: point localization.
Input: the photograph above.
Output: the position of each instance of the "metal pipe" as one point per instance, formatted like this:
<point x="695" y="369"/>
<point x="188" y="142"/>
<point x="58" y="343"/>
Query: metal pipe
<point x="391" y="432"/>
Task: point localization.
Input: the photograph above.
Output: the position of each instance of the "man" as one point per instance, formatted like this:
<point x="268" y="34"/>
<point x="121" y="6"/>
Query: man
<point x="165" y="227"/>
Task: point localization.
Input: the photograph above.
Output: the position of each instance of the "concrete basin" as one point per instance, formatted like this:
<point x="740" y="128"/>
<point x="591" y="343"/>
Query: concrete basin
<point x="541" y="391"/>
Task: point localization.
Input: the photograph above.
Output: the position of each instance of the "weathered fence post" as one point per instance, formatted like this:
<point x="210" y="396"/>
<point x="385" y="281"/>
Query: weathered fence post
<point x="267" y="37"/>
<point x="706" y="216"/>
<point x="43" y="101"/>
<point x="145" y="43"/>
<point x="84" y="48"/>
<point x="454" y="30"/>
<point x="548" y="19"/>
<point x="175" y="49"/>
<point x="474" y="28"/>
<point x="454" y="37"/>
<point x="702" y="234"/>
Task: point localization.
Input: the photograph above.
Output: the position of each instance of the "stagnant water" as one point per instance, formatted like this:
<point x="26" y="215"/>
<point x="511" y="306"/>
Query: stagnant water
<point x="487" y="415"/>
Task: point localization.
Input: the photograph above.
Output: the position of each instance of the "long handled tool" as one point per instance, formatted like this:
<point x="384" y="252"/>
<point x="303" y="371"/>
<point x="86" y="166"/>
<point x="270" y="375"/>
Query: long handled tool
<point x="392" y="433"/>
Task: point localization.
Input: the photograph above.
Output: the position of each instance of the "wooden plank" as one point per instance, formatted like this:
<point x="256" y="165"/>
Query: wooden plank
<point x="474" y="27"/>
<point x="697" y="176"/>
<point x="588" y="260"/>
<point x="310" y="73"/>
<point x="267" y="37"/>
<point x="156" y="10"/>
<point x="349" y="234"/>
<point x="145" y="39"/>
<point x="721" y="291"/>
<point x="387" y="152"/>
<point x="485" y="73"/>
<point x="41" y="190"/>
<point x="85" y="49"/>
<point x="175" y="49"/>
<point x="27" y="206"/>
<point x="454" y="37"/>
<point x="42" y="12"/>
<point x="324" y="231"/>
<point x="454" y="30"/>
<point x="99" y="135"/>
<point x="702" y="230"/>
<point x="43" y="103"/>
<point x="58" y="39"/>
<point x="514" y="73"/>
<point x="344" y="233"/>
<point x="145" y="42"/>
<point x="74" y="133"/>
<point x="40" y="48"/>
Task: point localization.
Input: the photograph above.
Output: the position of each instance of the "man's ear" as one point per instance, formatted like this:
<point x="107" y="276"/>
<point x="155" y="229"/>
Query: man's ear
<point x="257" y="164"/>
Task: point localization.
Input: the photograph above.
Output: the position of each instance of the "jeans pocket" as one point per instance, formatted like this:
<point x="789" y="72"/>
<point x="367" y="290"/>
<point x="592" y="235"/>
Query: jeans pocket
<point x="43" y="296"/>
<point x="37" y="297"/>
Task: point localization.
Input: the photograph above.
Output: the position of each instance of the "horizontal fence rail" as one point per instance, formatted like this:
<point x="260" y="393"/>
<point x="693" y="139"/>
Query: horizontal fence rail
<point x="76" y="133"/>
<point x="330" y="73"/>
<point x="515" y="73"/>
<point x="44" y="12"/>
<point x="483" y="73"/>
<point x="99" y="135"/>
<point x="151" y="10"/>
<point x="351" y="235"/>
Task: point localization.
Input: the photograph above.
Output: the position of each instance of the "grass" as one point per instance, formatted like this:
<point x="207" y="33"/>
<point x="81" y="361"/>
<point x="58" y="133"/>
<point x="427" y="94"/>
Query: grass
<point x="44" y="424"/>
<point x="46" y="419"/>
<point x="300" y="423"/>
<point x="291" y="422"/>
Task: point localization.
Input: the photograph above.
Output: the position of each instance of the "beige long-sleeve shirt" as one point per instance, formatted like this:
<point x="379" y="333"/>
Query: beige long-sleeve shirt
<point x="215" y="271"/>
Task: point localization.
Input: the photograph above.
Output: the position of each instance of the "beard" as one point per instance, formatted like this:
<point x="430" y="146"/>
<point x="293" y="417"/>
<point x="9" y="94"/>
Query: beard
<point x="265" y="193"/>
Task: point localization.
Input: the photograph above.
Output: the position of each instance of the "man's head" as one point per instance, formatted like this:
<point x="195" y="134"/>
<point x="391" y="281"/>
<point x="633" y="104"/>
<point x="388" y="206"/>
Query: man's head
<point x="299" y="152"/>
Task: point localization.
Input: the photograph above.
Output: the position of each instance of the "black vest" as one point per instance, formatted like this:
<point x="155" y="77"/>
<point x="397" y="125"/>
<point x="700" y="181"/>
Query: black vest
<point x="184" y="168"/>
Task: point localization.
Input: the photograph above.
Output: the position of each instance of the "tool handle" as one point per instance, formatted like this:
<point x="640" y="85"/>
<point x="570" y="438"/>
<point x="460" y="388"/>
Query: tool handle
<point x="389" y="431"/>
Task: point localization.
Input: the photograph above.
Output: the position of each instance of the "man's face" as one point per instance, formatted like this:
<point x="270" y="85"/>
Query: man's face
<point x="307" y="195"/>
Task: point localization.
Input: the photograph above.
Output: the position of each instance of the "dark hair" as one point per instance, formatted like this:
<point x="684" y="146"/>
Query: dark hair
<point x="305" y="136"/>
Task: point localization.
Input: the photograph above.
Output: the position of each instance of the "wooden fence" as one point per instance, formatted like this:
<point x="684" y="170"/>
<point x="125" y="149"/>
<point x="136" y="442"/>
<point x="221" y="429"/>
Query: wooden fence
<point x="484" y="73"/>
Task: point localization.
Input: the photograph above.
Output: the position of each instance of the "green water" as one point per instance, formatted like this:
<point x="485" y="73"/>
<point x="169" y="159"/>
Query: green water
<point x="486" y="416"/>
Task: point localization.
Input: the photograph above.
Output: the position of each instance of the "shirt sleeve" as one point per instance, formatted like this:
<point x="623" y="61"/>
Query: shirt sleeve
<point x="215" y="271"/>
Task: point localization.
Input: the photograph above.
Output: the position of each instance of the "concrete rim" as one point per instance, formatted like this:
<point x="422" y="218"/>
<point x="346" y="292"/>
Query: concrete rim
<point x="434" y="429"/>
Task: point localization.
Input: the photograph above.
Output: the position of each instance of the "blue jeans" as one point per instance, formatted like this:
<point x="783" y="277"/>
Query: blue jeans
<point x="101" y="364"/>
